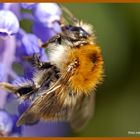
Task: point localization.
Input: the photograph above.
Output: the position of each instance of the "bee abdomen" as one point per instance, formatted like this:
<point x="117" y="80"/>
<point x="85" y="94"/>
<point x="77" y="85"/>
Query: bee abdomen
<point x="89" y="73"/>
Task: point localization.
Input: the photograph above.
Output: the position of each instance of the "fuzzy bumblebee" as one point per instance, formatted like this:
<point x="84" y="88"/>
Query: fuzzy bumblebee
<point x="63" y="88"/>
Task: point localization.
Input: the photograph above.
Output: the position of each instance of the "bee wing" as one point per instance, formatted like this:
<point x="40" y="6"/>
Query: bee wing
<point x="49" y="105"/>
<point x="82" y="112"/>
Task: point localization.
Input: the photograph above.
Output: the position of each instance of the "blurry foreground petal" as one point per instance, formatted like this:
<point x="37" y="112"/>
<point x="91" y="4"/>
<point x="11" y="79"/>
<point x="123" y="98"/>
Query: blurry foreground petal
<point x="1" y="5"/>
<point x="46" y="129"/>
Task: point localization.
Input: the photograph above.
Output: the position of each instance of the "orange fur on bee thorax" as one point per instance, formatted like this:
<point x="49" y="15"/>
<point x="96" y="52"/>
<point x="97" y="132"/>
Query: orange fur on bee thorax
<point x="90" y="69"/>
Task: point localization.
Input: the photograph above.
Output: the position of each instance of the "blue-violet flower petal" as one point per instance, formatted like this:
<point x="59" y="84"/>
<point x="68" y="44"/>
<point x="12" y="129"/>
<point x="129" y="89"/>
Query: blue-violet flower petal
<point x="47" y="13"/>
<point x="9" y="23"/>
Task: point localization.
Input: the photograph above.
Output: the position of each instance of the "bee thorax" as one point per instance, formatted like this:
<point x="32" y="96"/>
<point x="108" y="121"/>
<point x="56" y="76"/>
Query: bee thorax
<point x="58" y="54"/>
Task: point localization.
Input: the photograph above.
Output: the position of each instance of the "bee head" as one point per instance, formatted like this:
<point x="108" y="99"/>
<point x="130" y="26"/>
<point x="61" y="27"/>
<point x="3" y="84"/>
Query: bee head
<point x="73" y="35"/>
<point x="75" y="31"/>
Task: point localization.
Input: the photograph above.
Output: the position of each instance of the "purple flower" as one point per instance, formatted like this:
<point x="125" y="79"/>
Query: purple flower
<point x="28" y="5"/>
<point x="6" y="123"/>
<point x="1" y="5"/>
<point x="7" y="55"/>
<point x="16" y="131"/>
<point x="44" y="18"/>
<point x="47" y="129"/>
<point x="43" y="13"/>
<point x="14" y="7"/>
<point x="43" y="56"/>
<point x="29" y="45"/>
<point x="45" y="25"/>
<point x="23" y="106"/>
<point x="44" y="32"/>
<point x="9" y="23"/>
<point x="19" y="80"/>
<point x="1" y="72"/>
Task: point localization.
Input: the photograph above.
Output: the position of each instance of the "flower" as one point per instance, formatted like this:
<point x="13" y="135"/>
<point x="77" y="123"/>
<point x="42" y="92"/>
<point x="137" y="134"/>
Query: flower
<point x="46" y="20"/>
<point x="1" y="72"/>
<point x="43" y="13"/>
<point x="1" y="5"/>
<point x="49" y="129"/>
<point x="16" y="131"/>
<point x="27" y="5"/>
<point x="9" y="23"/>
<point x="6" y="123"/>
<point x="29" y="45"/>
<point x="18" y="43"/>
<point x="43" y="32"/>
<point x="23" y="106"/>
<point x="7" y="56"/>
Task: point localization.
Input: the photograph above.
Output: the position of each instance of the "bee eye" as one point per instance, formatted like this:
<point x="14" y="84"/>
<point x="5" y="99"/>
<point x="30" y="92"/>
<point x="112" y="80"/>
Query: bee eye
<point x="78" y="30"/>
<point x="82" y="33"/>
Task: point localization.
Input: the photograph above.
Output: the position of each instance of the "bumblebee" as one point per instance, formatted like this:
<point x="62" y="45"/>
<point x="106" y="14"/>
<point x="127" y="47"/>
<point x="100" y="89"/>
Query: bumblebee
<point x="64" y="87"/>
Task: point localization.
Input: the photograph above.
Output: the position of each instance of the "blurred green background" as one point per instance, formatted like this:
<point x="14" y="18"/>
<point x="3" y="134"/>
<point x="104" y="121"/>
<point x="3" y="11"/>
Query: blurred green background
<point x="117" y="29"/>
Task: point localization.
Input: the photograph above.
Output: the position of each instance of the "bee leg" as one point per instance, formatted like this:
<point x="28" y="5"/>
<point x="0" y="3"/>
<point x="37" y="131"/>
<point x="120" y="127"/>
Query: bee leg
<point x="9" y="88"/>
<point x="35" y="60"/>
<point x="25" y="90"/>
<point x="26" y="95"/>
<point x="57" y="39"/>
<point x="21" y="91"/>
<point x="39" y="64"/>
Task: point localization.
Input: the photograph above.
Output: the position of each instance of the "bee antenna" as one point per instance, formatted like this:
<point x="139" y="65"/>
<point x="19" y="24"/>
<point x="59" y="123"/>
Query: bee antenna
<point x="70" y="15"/>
